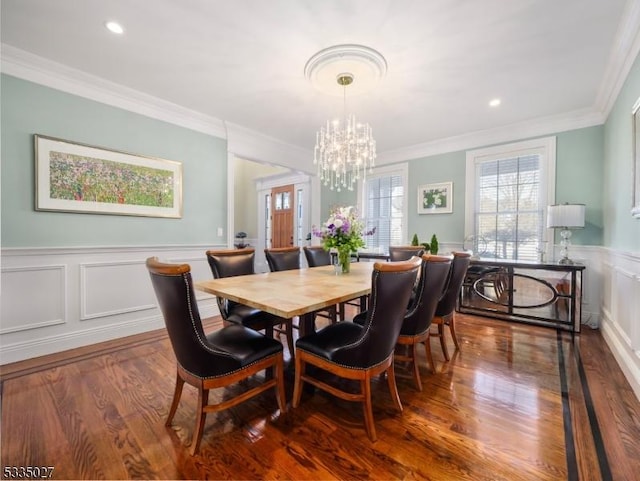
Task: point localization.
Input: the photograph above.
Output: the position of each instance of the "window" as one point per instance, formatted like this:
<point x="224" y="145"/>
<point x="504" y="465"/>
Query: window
<point x="384" y="206"/>
<point x="508" y="190"/>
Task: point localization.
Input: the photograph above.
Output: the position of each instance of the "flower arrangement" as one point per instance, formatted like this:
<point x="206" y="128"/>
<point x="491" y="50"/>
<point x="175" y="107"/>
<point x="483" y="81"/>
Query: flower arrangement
<point x="343" y="232"/>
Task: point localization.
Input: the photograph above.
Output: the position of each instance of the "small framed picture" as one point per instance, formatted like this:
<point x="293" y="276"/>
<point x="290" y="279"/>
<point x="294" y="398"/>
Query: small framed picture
<point x="435" y="198"/>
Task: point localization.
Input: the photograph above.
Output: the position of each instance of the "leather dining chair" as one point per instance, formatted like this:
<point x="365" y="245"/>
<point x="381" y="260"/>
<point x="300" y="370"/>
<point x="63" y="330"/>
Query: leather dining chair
<point x="288" y="258"/>
<point x="432" y="281"/>
<point x="417" y="321"/>
<point x="403" y="253"/>
<point x="283" y="258"/>
<point x="317" y="256"/>
<point x="240" y="262"/>
<point x="356" y="352"/>
<point x="209" y="361"/>
<point x="445" y="310"/>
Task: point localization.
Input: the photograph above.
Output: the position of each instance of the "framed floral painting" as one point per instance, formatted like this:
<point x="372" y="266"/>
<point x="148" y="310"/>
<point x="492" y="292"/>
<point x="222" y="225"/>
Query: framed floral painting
<point x="73" y="177"/>
<point x="435" y="198"/>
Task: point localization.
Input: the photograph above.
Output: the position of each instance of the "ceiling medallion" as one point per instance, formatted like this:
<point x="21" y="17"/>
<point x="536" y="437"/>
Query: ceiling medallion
<point x="345" y="149"/>
<point x="364" y="63"/>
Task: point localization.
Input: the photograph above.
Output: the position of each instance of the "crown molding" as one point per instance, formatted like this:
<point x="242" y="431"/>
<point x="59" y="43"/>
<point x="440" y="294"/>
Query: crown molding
<point x="242" y="141"/>
<point x="27" y="66"/>
<point x="624" y="51"/>
<point x="251" y="145"/>
<point x="519" y="131"/>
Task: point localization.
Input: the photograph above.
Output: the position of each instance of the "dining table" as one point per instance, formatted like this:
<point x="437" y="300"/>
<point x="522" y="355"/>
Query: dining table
<point x="297" y="292"/>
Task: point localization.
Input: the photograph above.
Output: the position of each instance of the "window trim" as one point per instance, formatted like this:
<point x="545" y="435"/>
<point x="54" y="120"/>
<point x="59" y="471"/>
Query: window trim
<point x="401" y="169"/>
<point x="545" y="147"/>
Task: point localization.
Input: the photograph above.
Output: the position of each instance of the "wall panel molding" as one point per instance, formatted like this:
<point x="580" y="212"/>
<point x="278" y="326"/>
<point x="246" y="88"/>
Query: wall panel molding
<point x="54" y="299"/>
<point x="48" y="281"/>
<point x="620" y="306"/>
<point x="102" y="286"/>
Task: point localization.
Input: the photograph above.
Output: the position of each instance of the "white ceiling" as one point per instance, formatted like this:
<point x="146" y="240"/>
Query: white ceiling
<point x="243" y="61"/>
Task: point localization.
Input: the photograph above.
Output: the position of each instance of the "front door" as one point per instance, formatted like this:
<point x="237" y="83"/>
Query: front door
<point x="282" y="216"/>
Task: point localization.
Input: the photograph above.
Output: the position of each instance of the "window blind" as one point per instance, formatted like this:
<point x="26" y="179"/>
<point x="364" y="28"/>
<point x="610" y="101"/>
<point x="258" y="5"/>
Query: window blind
<point x="509" y="208"/>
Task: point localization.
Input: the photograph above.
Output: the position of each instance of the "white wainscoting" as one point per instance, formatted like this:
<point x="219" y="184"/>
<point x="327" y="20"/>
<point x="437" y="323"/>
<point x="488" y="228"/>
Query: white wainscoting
<point x="58" y="299"/>
<point x="620" y="322"/>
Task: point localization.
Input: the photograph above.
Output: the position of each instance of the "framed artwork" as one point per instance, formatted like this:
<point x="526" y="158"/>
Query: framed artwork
<point x="435" y="198"/>
<point x="73" y="177"/>
<point x="635" y="193"/>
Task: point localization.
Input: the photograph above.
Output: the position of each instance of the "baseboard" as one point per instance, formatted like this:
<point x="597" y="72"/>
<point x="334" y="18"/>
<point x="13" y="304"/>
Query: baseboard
<point x="627" y="360"/>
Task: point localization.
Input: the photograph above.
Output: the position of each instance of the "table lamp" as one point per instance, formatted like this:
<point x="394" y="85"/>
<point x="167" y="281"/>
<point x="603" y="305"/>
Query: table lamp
<point x="565" y="217"/>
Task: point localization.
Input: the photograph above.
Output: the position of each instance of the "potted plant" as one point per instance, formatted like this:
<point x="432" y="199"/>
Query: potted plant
<point x="433" y="247"/>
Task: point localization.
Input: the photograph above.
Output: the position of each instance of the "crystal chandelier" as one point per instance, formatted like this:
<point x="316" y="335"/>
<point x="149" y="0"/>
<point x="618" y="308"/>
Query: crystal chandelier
<point x="345" y="149"/>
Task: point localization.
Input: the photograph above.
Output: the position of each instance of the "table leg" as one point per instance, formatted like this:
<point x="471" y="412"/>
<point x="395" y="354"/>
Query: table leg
<point x="307" y="323"/>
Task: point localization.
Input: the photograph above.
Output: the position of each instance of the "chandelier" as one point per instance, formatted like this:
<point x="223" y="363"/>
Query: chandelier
<point x="344" y="149"/>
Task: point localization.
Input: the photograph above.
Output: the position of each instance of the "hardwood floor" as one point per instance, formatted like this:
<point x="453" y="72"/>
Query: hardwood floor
<point x="517" y="402"/>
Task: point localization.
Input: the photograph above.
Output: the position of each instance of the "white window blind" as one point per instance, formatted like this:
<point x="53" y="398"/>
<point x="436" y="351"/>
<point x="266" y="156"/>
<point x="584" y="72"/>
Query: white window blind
<point x="509" y="214"/>
<point x="508" y="190"/>
<point x="384" y="207"/>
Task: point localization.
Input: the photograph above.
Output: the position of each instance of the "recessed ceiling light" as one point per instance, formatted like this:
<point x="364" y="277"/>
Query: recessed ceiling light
<point x="494" y="102"/>
<point x="114" y="27"/>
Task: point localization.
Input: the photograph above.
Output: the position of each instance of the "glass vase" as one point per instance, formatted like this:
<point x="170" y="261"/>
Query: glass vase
<point x="344" y="260"/>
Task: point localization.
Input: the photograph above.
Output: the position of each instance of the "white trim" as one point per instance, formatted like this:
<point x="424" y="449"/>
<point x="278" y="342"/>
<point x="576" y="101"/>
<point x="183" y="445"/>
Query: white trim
<point x="623" y="54"/>
<point x="84" y="289"/>
<point x="382" y="171"/>
<point x="545" y="146"/>
<point x="33" y="68"/>
<point x="522" y="130"/>
<point x="254" y="145"/>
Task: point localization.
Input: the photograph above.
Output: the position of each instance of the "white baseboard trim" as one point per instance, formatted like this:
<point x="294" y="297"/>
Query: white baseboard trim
<point x="629" y="364"/>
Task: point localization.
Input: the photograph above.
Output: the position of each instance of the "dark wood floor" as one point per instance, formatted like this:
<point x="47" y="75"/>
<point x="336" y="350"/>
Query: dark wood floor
<point x="516" y="403"/>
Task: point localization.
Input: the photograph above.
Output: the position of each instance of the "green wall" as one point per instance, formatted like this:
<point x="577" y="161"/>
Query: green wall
<point x="579" y="172"/>
<point x="621" y="230"/>
<point x="579" y="156"/>
<point x="29" y="109"/>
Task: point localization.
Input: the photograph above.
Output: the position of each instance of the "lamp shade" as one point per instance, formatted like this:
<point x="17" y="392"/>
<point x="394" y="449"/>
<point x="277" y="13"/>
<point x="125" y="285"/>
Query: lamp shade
<point x="570" y="216"/>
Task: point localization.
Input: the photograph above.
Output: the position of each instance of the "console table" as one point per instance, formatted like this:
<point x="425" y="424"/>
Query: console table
<point x="548" y="294"/>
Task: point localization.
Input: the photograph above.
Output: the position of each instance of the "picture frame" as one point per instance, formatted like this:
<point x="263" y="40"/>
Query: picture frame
<point x="435" y="198"/>
<point x="80" y="178"/>
<point x="635" y="129"/>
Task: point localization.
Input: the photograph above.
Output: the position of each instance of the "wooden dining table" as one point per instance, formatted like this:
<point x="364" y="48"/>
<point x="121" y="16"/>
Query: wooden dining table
<point x="298" y="292"/>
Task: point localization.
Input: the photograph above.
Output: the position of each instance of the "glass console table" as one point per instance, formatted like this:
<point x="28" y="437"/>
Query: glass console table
<point x="548" y="294"/>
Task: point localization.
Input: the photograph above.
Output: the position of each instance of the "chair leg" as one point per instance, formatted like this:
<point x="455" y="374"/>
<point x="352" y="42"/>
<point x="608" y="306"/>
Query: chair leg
<point x="177" y="393"/>
<point x="203" y="400"/>
<point x="427" y="346"/>
<point x="280" y="394"/>
<point x="443" y="342"/>
<point x="367" y="407"/>
<point x="297" y="386"/>
<point x="414" y="361"/>
<point x="289" y="336"/>
<point x="452" y="329"/>
<point x="393" y="388"/>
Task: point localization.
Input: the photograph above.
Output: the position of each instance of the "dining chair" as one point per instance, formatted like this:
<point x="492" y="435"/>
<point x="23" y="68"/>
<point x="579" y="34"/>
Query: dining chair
<point x="240" y="262"/>
<point x="317" y="256"/>
<point x="403" y="253"/>
<point x="356" y="352"/>
<point x="209" y="361"/>
<point x="417" y="321"/>
<point x="283" y="258"/>
<point x="288" y="258"/>
<point x="445" y="310"/>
